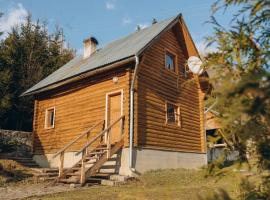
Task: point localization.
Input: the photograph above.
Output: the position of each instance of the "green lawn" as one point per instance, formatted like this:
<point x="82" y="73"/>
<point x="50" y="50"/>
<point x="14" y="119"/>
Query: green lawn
<point x="165" y="184"/>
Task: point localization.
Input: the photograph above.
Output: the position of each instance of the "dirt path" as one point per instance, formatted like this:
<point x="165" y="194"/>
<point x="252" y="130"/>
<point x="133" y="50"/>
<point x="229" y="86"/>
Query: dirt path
<point x="20" y="191"/>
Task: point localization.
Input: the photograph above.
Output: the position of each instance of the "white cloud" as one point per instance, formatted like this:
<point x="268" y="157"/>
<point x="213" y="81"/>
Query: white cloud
<point x="203" y="49"/>
<point x="110" y="5"/>
<point x="13" y="17"/>
<point x="126" y="21"/>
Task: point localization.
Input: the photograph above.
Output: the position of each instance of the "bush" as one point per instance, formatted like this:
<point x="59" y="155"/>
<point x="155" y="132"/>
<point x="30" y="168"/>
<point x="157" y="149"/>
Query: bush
<point x="8" y="145"/>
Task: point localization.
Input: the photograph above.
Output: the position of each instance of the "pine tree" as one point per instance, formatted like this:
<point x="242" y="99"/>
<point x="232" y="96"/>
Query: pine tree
<point x="27" y="55"/>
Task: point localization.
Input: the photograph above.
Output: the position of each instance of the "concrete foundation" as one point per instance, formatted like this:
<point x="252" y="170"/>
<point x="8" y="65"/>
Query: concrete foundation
<point x="152" y="159"/>
<point x="143" y="160"/>
<point x="47" y="160"/>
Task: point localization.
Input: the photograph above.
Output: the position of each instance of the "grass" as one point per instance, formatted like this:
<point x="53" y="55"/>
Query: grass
<point x="165" y="185"/>
<point x="12" y="172"/>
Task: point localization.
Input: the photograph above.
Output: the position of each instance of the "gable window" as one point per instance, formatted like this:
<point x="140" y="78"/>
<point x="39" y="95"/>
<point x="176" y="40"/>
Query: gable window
<point x="49" y="118"/>
<point x="172" y="114"/>
<point x="170" y="61"/>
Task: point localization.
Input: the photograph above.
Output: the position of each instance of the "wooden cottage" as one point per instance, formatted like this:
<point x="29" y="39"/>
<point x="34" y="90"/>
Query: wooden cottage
<point x="130" y="102"/>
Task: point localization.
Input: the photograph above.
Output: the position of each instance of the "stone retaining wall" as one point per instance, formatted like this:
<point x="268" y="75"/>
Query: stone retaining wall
<point x="15" y="143"/>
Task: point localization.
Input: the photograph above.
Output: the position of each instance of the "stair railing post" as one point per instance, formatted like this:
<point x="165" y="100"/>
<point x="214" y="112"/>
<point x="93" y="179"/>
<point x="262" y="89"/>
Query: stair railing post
<point x="82" y="180"/>
<point x="122" y="127"/>
<point x="87" y="139"/>
<point x="61" y="164"/>
<point x="108" y="143"/>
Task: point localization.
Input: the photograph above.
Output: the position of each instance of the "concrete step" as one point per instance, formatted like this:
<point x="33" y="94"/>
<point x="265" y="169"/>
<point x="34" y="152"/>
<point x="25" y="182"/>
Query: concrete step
<point x="110" y="182"/>
<point x="119" y="178"/>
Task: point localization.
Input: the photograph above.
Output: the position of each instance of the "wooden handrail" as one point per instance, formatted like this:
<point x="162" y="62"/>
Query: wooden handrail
<point x="77" y="138"/>
<point x="100" y="134"/>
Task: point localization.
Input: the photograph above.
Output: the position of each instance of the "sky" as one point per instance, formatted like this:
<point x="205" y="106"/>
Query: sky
<point x="108" y="20"/>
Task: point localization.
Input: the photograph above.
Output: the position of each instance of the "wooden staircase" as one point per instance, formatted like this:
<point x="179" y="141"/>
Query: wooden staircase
<point x="95" y="153"/>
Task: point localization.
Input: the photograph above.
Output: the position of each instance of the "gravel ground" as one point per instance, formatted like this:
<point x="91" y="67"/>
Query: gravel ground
<point x="21" y="191"/>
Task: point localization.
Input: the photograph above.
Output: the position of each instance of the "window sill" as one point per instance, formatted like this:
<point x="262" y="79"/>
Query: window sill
<point x="172" y="124"/>
<point x="48" y="128"/>
<point x="170" y="71"/>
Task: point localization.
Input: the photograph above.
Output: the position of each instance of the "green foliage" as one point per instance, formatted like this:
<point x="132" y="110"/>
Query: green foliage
<point x="242" y="80"/>
<point x="241" y="66"/>
<point x="27" y="55"/>
<point x="8" y="145"/>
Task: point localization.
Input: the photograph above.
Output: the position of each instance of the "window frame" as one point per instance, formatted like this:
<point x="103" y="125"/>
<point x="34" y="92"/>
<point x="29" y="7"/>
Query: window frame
<point x="46" y="118"/>
<point x="178" y="120"/>
<point x="175" y="61"/>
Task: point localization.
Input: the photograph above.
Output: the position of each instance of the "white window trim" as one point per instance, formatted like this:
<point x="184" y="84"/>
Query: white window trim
<point x="46" y="118"/>
<point x="175" y="61"/>
<point x="178" y="117"/>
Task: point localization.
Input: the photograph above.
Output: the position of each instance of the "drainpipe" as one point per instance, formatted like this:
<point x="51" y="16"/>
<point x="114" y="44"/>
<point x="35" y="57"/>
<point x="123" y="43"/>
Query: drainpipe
<point x="131" y="117"/>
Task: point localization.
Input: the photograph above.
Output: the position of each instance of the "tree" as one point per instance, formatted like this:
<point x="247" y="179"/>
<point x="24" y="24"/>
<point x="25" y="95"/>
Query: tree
<point x="27" y="55"/>
<point x="242" y="78"/>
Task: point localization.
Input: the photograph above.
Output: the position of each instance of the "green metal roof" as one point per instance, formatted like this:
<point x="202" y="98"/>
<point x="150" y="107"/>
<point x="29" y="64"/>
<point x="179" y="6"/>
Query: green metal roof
<point x="117" y="50"/>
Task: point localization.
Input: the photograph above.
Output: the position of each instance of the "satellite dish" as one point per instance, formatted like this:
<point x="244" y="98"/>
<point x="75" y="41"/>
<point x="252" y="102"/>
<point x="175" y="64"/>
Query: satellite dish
<point x="195" y="65"/>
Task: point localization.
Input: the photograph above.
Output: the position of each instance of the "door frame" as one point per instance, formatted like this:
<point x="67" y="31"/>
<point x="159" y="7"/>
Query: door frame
<point x="121" y="92"/>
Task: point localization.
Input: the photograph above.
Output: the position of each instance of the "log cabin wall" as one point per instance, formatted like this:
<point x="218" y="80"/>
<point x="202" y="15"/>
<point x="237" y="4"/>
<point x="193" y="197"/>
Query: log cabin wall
<point x="155" y="86"/>
<point x="77" y="107"/>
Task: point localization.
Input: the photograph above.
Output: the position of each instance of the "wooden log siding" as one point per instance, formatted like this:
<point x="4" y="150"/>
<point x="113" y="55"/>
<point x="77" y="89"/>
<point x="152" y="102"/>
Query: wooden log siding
<point x="79" y="105"/>
<point x="155" y="86"/>
<point x="76" y="111"/>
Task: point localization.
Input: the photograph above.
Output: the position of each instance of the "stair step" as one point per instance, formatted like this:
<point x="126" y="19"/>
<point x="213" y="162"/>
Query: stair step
<point x="119" y="178"/>
<point x="46" y="170"/>
<point x="69" y="180"/>
<point x="101" y="148"/>
<point x="90" y="159"/>
<point x="50" y="170"/>
<point x="110" y="182"/>
<point x="108" y="166"/>
<point x="95" y="153"/>
<point x="94" y="180"/>
<point x="103" y="174"/>
<point x="73" y="174"/>
<point x="47" y="174"/>
<point x="75" y="168"/>
<point x="15" y="158"/>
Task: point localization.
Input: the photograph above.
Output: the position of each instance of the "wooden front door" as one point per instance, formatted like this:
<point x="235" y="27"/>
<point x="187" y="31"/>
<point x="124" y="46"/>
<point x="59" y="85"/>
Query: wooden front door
<point x="113" y="113"/>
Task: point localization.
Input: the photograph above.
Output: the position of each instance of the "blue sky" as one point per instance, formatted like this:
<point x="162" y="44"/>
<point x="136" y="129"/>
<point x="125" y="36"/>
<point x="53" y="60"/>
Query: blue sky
<point x="108" y="20"/>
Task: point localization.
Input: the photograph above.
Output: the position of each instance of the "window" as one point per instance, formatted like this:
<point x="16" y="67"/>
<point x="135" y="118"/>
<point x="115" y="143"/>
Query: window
<point x="172" y="114"/>
<point x="170" y="61"/>
<point x="49" y="118"/>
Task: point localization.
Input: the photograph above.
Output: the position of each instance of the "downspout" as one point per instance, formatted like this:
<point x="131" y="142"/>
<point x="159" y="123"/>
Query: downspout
<point x="131" y="117"/>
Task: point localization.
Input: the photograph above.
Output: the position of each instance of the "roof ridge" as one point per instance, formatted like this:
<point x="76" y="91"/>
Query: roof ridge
<point x="135" y="32"/>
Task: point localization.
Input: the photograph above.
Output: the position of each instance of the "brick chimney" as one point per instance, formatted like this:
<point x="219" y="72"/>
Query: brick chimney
<point x="90" y="46"/>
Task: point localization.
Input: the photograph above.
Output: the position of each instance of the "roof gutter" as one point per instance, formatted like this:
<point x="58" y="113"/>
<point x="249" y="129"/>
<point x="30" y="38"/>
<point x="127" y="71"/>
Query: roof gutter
<point x="131" y="118"/>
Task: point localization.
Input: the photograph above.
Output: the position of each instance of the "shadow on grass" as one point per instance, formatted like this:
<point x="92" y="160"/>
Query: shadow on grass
<point x="221" y="194"/>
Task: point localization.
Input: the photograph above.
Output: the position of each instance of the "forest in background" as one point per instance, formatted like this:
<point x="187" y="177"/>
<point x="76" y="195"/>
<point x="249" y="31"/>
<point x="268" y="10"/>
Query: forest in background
<point x="27" y="55"/>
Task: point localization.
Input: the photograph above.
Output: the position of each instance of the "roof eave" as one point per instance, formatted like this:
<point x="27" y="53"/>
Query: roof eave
<point x="81" y="76"/>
